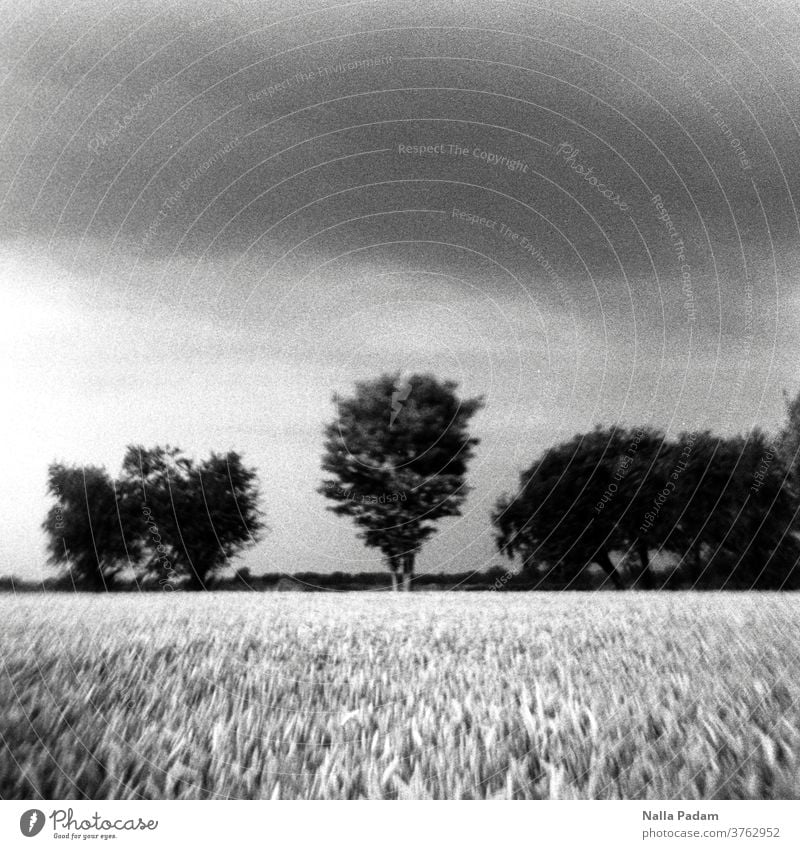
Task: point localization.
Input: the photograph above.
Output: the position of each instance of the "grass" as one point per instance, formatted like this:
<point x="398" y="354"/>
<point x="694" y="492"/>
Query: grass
<point x="480" y="695"/>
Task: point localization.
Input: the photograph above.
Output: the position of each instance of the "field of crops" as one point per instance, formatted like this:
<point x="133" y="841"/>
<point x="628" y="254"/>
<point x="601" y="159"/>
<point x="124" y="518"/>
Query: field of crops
<point x="459" y="695"/>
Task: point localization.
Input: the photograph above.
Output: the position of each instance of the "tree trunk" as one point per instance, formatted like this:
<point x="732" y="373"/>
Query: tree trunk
<point x="394" y="566"/>
<point x="604" y="562"/>
<point x="645" y="579"/>
<point x="408" y="571"/>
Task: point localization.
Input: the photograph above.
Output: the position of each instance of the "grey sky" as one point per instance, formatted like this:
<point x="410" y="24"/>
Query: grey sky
<point x="212" y="217"/>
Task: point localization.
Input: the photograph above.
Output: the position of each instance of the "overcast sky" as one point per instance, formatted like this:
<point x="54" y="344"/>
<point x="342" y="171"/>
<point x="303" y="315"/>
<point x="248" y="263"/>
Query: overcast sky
<point x="214" y="215"/>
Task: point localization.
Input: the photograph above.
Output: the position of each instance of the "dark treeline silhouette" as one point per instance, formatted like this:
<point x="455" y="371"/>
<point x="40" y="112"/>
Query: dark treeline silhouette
<point x="618" y="506"/>
<point x="720" y="512"/>
<point x="174" y="521"/>
<point x="496" y="578"/>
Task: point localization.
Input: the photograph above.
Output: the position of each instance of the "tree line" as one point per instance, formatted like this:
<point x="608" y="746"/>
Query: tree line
<point x="698" y="510"/>
<point x="721" y="512"/>
<point x="171" y="519"/>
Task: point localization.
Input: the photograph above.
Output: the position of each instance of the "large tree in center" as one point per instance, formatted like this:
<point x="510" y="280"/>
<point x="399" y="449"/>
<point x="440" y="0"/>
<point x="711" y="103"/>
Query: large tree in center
<point x="397" y="455"/>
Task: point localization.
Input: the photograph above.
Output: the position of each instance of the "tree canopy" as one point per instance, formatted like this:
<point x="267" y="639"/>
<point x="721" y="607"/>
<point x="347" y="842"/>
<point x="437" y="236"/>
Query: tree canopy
<point x="171" y="518"/>
<point x="397" y="454"/>
<point x="724" y="509"/>
<point x="91" y="529"/>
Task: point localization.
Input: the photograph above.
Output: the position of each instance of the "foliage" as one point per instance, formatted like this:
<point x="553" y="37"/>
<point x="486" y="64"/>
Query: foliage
<point x="200" y="514"/>
<point x="169" y="517"/>
<point x="397" y="455"/>
<point x="557" y="520"/>
<point x="91" y="529"/>
<point x="724" y="507"/>
<point x="788" y="441"/>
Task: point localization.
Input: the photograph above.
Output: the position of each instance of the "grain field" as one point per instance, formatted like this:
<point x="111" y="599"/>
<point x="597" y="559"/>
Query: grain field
<point x="445" y="696"/>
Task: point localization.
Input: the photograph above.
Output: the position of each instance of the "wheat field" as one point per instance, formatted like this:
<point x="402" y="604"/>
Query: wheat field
<point x="445" y="696"/>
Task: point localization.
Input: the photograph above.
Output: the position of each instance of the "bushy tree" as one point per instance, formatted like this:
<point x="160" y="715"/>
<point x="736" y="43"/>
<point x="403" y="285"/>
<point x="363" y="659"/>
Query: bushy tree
<point x="765" y="533"/>
<point x="199" y="514"/>
<point x="788" y="441"/>
<point x="640" y="458"/>
<point x="694" y="511"/>
<point x="726" y="508"/>
<point x="92" y="530"/>
<point x="397" y="455"/>
<point x="735" y="519"/>
<point x="562" y="516"/>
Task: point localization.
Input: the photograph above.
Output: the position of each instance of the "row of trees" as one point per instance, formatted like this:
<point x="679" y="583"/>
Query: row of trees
<point x="172" y="520"/>
<point x="723" y="511"/>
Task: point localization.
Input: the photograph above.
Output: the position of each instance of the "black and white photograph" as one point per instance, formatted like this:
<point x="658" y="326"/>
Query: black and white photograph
<point x="402" y="402"/>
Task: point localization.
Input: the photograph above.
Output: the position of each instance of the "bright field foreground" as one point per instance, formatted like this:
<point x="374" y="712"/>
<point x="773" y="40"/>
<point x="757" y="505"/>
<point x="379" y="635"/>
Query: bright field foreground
<point x="367" y="695"/>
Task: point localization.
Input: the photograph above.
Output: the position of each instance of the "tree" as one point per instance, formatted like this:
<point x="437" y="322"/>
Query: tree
<point x="640" y="459"/>
<point x="788" y="441"/>
<point x="561" y="516"/>
<point x="397" y="453"/>
<point x="764" y="536"/>
<point x="198" y="514"/>
<point x="697" y="506"/>
<point x="726" y="507"/>
<point x="737" y="522"/>
<point x="87" y="526"/>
